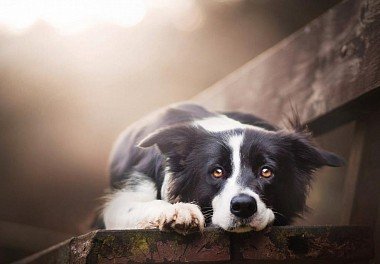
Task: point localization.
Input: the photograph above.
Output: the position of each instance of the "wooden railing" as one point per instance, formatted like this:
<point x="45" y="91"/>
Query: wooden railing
<point x="290" y="244"/>
<point x="327" y="64"/>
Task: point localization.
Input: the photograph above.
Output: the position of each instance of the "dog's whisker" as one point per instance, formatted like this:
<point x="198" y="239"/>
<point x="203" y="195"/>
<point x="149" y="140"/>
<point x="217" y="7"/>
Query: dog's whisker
<point x="277" y="213"/>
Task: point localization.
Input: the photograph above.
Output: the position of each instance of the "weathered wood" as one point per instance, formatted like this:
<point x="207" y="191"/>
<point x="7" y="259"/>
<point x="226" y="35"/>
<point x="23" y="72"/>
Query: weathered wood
<point x="294" y="244"/>
<point x="353" y="172"/>
<point x="300" y="244"/>
<point x="328" y="63"/>
<point x="366" y="196"/>
<point x="365" y="203"/>
<point x="154" y="246"/>
<point x="353" y="110"/>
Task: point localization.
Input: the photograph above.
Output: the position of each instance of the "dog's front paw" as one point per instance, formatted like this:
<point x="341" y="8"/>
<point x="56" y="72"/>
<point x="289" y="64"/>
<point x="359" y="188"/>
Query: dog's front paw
<point x="184" y="218"/>
<point x="180" y="217"/>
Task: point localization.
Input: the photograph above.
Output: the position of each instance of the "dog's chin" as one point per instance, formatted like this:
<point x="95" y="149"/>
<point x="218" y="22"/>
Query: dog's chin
<point x="238" y="225"/>
<point x="246" y="228"/>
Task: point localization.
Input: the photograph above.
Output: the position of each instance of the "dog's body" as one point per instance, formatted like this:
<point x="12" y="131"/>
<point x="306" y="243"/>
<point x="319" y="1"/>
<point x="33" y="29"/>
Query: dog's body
<point x="184" y="166"/>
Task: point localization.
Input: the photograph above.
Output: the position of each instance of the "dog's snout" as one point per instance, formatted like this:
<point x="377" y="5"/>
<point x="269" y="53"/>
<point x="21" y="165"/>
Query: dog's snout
<point x="243" y="205"/>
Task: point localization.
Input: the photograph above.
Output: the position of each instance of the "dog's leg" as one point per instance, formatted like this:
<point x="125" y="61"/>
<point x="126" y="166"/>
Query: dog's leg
<point x="137" y="207"/>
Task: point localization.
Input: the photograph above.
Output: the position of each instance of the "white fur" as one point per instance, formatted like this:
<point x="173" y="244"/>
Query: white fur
<point x="222" y="123"/>
<point x="221" y="203"/>
<point x="219" y="124"/>
<point x="165" y="185"/>
<point x="137" y="207"/>
<point x="264" y="215"/>
<point x="118" y="213"/>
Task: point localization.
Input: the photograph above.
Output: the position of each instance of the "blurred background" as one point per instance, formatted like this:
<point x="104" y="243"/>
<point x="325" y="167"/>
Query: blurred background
<point x="73" y="74"/>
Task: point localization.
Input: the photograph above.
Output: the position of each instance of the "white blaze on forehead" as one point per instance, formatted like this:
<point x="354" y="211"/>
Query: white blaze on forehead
<point x="222" y="123"/>
<point x="219" y="124"/>
<point x="235" y="143"/>
<point x="221" y="203"/>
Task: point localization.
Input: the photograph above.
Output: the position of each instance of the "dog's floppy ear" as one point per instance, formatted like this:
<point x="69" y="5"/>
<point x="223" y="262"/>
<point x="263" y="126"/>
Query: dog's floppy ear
<point x="306" y="153"/>
<point x="310" y="156"/>
<point x="172" y="140"/>
<point x="331" y="159"/>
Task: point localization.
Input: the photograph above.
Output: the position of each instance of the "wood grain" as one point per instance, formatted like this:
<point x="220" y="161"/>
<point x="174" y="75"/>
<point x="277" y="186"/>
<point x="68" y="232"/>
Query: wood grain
<point x="330" y="62"/>
<point x="286" y="244"/>
<point x="353" y="172"/>
<point x="365" y="202"/>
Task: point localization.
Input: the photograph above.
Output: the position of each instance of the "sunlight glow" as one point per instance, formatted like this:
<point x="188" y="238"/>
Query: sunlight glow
<point x="185" y="15"/>
<point x="17" y="15"/>
<point x="70" y="16"/>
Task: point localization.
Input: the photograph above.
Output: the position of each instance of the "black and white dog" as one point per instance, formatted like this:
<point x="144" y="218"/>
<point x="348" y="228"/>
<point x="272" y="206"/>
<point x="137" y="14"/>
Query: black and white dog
<point x="183" y="167"/>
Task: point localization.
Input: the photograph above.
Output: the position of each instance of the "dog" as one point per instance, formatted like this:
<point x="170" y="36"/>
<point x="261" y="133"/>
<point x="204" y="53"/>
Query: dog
<point x="184" y="167"/>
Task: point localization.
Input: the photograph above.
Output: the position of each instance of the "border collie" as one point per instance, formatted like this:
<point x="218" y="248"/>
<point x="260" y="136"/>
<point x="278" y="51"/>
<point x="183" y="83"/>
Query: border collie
<point x="184" y="167"/>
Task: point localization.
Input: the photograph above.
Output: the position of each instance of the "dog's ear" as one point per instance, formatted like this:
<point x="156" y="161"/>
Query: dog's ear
<point x="305" y="151"/>
<point x="310" y="157"/>
<point x="331" y="159"/>
<point x="176" y="140"/>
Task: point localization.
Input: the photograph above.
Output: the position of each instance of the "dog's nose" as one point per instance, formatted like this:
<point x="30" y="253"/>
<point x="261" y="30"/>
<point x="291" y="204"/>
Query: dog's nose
<point x="243" y="205"/>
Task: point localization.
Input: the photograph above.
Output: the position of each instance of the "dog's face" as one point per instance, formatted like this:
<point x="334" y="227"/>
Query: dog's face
<point x="243" y="177"/>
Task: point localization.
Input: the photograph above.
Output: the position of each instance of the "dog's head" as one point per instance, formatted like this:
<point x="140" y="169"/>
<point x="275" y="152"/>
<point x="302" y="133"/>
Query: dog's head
<point x="243" y="177"/>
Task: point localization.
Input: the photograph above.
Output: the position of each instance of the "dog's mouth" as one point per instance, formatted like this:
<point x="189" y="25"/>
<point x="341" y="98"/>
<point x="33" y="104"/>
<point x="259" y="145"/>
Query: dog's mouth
<point x="233" y="229"/>
<point x="234" y="224"/>
<point x="238" y="225"/>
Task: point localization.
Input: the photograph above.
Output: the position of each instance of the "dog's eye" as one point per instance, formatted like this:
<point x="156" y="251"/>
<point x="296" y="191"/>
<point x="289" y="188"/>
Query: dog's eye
<point x="217" y="172"/>
<point x="266" y="172"/>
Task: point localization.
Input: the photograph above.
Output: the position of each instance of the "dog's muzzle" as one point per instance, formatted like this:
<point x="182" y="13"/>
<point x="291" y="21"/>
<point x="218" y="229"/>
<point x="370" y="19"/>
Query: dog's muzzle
<point x="243" y="206"/>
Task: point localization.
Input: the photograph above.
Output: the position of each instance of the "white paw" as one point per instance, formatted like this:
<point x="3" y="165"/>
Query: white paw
<point x="180" y="217"/>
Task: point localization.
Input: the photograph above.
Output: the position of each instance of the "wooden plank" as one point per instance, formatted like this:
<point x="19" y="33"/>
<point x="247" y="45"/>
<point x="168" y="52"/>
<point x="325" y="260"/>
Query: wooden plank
<point x="303" y="244"/>
<point x="366" y="196"/>
<point x="353" y="172"/>
<point x="354" y="110"/>
<point x="141" y="246"/>
<point x="288" y="244"/>
<point x="365" y="204"/>
<point x="328" y="63"/>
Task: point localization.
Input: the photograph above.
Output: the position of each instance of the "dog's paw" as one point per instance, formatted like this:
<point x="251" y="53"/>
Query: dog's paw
<point x="184" y="218"/>
<point x="180" y="217"/>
